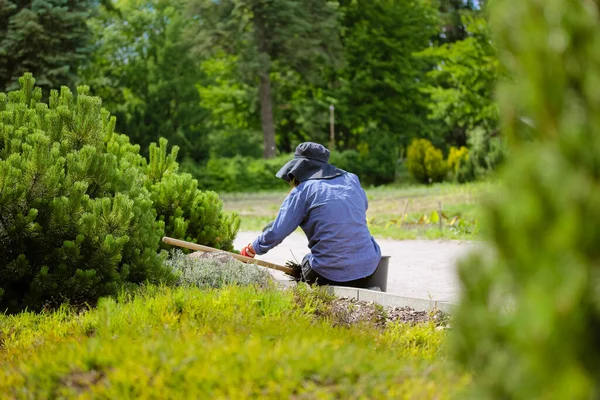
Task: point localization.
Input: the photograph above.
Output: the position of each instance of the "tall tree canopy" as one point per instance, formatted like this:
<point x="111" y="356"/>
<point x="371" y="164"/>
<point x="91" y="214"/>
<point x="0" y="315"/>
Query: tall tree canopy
<point x="144" y="69"/>
<point x="46" y="37"/>
<point x="296" y="34"/>
<point x="451" y="14"/>
<point x="381" y="82"/>
<point x="462" y="83"/>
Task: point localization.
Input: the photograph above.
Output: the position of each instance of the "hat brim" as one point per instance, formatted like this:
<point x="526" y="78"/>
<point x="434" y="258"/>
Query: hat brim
<point x="304" y="169"/>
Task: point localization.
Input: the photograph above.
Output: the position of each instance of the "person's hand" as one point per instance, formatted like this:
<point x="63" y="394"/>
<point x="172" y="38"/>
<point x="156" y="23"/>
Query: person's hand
<point x="248" y="251"/>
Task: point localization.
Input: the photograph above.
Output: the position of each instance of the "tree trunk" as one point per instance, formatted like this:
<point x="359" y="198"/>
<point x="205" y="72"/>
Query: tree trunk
<point x="264" y="91"/>
<point x="266" y="115"/>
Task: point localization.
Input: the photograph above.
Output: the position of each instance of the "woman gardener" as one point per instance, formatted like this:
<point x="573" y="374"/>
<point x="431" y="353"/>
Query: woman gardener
<point x="330" y="206"/>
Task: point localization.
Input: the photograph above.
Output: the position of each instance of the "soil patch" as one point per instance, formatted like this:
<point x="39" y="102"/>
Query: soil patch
<point x="83" y="380"/>
<point x="347" y="312"/>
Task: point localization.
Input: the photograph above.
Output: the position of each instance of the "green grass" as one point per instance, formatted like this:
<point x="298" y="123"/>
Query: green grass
<point x="232" y="343"/>
<point x="387" y="205"/>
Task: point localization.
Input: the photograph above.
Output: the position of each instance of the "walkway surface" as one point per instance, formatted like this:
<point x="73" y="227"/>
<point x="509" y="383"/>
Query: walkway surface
<point x="424" y="269"/>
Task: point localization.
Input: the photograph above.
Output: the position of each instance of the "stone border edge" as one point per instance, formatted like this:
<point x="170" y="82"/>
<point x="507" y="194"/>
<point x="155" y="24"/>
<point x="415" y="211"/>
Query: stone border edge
<point x="392" y="300"/>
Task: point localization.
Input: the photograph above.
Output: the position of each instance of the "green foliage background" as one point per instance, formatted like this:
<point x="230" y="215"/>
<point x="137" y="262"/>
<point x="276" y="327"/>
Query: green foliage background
<point x="192" y="71"/>
<point x="231" y="79"/>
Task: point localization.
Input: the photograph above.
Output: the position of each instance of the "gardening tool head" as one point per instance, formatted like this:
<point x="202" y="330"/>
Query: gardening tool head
<point x="311" y="161"/>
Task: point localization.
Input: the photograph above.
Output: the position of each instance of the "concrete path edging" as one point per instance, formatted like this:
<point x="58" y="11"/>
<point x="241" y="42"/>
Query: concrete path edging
<point x="391" y="300"/>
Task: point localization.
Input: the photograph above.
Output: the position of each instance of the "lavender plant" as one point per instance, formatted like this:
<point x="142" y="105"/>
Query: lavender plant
<point x="215" y="271"/>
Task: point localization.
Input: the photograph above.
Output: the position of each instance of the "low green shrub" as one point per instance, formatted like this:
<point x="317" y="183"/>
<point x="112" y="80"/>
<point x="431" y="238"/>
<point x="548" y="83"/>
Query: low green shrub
<point x="236" y="342"/>
<point x="214" y="272"/>
<point x="415" y="159"/>
<point x="378" y="156"/>
<point x="81" y="211"/>
<point x="243" y="174"/>
<point x="374" y="165"/>
<point x="435" y="165"/>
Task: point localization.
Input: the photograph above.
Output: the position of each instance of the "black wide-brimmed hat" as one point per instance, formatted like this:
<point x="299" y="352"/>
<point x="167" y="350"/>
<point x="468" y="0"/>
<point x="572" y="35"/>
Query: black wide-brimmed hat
<point x="311" y="161"/>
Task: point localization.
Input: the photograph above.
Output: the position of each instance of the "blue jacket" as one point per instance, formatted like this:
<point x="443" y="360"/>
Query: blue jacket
<point x="332" y="214"/>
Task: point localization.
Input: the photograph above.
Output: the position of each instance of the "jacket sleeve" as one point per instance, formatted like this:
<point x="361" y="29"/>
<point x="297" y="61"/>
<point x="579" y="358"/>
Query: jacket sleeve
<point x="291" y="214"/>
<point x="361" y="190"/>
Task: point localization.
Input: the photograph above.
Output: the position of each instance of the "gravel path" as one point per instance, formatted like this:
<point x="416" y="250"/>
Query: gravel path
<point x="423" y="269"/>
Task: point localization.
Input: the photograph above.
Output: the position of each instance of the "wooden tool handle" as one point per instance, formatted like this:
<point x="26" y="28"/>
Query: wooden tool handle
<point x="206" y="249"/>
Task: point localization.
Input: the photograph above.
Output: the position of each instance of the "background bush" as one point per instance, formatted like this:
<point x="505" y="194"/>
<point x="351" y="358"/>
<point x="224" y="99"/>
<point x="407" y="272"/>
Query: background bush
<point x="456" y="159"/>
<point x="78" y="204"/>
<point x="435" y="165"/>
<point x="238" y="174"/>
<point x="425" y="162"/>
<point x="245" y="174"/>
<point x="486" y="154"/>
<point x="529" y="319"/>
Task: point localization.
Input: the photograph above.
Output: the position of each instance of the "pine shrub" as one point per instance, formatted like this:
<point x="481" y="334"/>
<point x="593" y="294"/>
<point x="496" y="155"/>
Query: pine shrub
<point x="187" y="212"/>
<point x="529" y="319"/>
<point x="78" y="203"/>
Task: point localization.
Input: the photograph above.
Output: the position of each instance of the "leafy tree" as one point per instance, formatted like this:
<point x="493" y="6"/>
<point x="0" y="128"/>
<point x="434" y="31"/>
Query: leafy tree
<point x="233" y="122"/>
<point x="452" y="13"/>
<point x="144" y="68"/>
<point x="294" y="34"/>
<point x="301" y="114"/>
<point x="46" y="37"/>
<point x="462" y="88"/>
<point x="461" y="92"/>
<point x="529" y="318"/>
<point x="382" y="79"/>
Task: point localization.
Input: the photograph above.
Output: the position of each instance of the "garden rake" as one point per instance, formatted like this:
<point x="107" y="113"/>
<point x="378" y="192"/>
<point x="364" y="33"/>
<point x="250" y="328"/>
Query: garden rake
<point x="291" y="269"/>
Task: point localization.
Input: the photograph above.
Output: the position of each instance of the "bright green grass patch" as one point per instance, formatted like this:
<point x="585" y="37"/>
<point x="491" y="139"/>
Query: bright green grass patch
<point x="231" y="343"/>
<point x="388" y="207"/>
<point x="392" y="226"/>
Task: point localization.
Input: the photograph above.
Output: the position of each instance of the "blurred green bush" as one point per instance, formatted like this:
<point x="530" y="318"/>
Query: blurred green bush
<point x="529" y="319"/>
